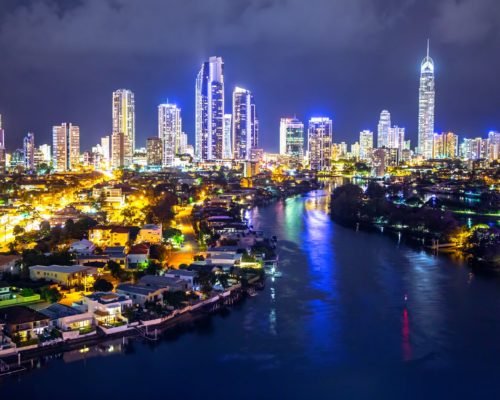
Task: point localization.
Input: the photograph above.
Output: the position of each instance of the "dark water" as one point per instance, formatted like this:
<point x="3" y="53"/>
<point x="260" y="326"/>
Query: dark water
<point x="334" y="326"/>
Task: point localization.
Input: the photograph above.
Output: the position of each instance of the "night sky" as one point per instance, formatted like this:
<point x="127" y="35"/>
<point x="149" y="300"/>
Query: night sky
<point x="60" y="60"/>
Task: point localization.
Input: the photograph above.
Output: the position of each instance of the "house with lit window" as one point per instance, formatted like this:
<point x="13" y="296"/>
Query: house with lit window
<point x="23" y="325"/>
<point x="150" y="233"/>
<point x="71" y="322"/>
<point x="65" y="275"/>
<point x="109" y="235"/>
<point x="107" y="308"/>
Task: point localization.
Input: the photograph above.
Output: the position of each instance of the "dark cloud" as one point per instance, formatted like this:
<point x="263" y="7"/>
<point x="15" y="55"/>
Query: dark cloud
<point x="347" y="58"/>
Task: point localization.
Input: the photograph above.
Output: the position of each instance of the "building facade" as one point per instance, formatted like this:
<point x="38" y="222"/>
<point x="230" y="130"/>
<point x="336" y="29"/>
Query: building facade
<point x="244" y="123"/>
<point x="292" y="137"/>
<point x="169" y="131"/>
<point x="154" y="151"/>
<point x="210" y="110"/>
<point x="384" y="124"/>
<point x="319" y="144"/>
<point x="124" y="120"/>
<point x="227" y="143"/>
<point x="29" y="151"/>
<point x="426" y="103"/>
<point x="65" y="147"/>
<point x="118" y="147"/>
<point x="365" y="144"/>
<point x="445" y="145"/>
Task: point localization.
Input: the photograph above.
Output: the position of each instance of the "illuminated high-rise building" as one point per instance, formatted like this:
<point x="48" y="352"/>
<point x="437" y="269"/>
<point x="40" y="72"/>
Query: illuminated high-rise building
<point x="493" y="145"/>
<point x="45" y="149"/>
<point x="210" y="110"/>
<point x="384" y="125"/>
<point x="396" y="138"/>
<point x="292" y="137"/>
<point x="227" y="143"/>
<point x="169" y="131"/>
<point x="245" y="125"/>
<point x="118" y="148"/>
<point x="65" y="147"/>
<point x="124" y="120"/>
<point x="154" y="152"/>
<point x="319" y="144"/>
<point x="445" y="145"/>
<point x="426" y="103"/>
<point x="365" y="144"/>
<point x="2" y="147"/>
<point x="106" y="150"/>
<point x="183" y="143"/>
<point x="29" y="151"/>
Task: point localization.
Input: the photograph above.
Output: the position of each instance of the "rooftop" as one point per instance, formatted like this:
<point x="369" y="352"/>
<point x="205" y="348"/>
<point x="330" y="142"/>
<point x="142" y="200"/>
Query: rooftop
<point x="56" y="310"/>
<point x="20" y="315"/>
<point x="68" y="269"/>
<point x="106" y="297"/>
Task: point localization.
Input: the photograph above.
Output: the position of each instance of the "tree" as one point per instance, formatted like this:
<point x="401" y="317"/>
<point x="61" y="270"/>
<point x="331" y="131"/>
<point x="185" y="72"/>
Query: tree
<point x="115" y="269"/>
<point x="158" y="252"/>
<point x="375" y="191"/>
<point x="52" y="295"/>
<point x="102" y="285"/>
<point x="346" y="201"/>
<point x="18" y="230"/>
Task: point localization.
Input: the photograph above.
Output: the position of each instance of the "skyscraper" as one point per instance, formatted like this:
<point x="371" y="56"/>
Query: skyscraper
<point x="292" y="137"/>
<point x="118" y="148"/>
<point x="65" y="147"/>
<point x="29" y="151"/>
<point x="106" y="149"/>
<point x="319" y="143"/>
<point x="227" y="142"/>
<point x="210" y="109"/>
<point x="426" y="102"/>
<point x="396" y="138"/>
<point x="124" y="120"/>
<point x="244" y="133"/>
<point x="154" y="152"/>
<point x="365" y="144"/>
<point x="169" y="131"/>
<point x="384" y="124"/>
<point x="2" y="146"/>
<point x="494" y="145"/>
<point x="445" y="145"/>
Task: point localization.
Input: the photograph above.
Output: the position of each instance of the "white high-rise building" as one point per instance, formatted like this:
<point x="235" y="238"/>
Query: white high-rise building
<point x="426" y="103"/>
<point x="365" y="144"/>
<point x="124" y="120"/>
<point x="227" y="143"/>
<point x="29" y="151"/>
<point x="45" y="149"/>
<point x="245" y="125"/>
<point x="106" y="149"/>
<point x="169" y="131"/>
<point x="65" y="147"/>
<point x="384" y="125"/>
<point x="292" y="137"/>
<point x="494" y="145"/>
<point x="210" y="110"/>
<point x="319" y="144"/>
<point x="2" y="147"/>
<point x="183" y="143"/>
<point x="396" y="138"/>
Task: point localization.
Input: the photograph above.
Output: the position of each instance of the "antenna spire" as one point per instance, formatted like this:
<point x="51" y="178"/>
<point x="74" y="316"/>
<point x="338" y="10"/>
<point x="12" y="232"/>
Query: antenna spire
<point x="428" y="41"/>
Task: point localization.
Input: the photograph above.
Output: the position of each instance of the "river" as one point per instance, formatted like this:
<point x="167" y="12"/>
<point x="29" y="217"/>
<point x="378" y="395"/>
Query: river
<point x="336" y="325"/>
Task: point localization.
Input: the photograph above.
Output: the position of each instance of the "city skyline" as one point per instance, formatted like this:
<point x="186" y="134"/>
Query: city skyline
<point x="317" y="89"/>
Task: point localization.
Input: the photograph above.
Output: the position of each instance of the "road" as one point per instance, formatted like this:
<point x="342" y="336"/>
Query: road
<point x="190" y="247"/>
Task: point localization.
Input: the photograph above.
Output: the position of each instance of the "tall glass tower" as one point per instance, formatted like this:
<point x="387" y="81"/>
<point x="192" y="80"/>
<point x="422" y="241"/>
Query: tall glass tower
<point x="124" y="120"/>
<point x="210" y="110"/>
<point x="384" y="124"/>
<point x="426" y="101"/>
<point x="169" y="131"/>
<point x="244" y="124"/>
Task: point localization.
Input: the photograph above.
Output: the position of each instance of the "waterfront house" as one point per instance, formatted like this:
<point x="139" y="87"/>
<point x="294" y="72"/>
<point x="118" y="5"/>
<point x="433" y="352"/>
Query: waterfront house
<point x="107" y="307"/>
<point x="65" y="275"/>
<point x="71" y="322"/>
<point x="171" y="283"/>
<point x="23" y="325"/>
<point x="142" y="294"/>
<point x="182" y="274"/>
